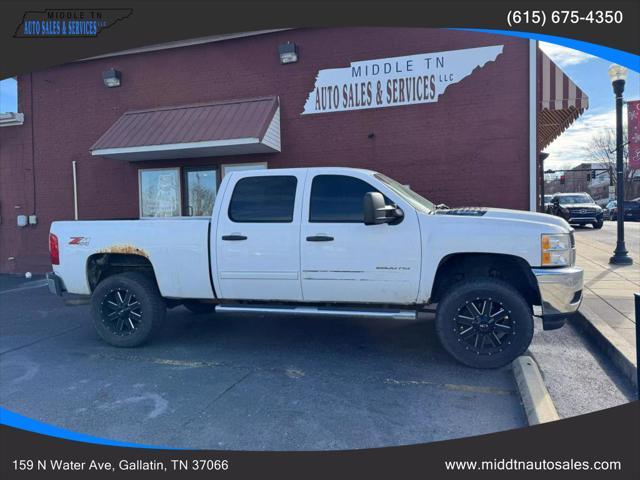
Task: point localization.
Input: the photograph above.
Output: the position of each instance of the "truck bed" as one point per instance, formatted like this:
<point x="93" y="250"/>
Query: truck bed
<point x="177" y="247"/>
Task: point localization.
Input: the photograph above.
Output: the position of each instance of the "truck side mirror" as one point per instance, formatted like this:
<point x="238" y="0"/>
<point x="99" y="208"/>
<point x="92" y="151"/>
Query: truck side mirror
<point x="377" y="212"/>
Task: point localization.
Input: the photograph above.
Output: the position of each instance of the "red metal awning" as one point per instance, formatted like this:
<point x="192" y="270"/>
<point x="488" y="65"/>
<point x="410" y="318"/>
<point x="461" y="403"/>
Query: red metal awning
<point x="560" y="101"/>
<point x="223" y="128"/>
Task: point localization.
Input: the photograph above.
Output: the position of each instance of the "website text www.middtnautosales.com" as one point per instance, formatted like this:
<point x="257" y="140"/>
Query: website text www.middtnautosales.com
<point x="513" y="464"/>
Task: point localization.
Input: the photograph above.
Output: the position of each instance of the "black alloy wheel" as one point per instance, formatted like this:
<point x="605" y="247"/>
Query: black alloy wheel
<point x="484" y="326"/>
<point x="484" y="322"/>
<point x="121" y="311"/>
<point x="127" y="309"/>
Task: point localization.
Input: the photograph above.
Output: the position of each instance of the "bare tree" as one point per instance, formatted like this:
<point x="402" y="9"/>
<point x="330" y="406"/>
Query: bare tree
<point x="602" y="149"/>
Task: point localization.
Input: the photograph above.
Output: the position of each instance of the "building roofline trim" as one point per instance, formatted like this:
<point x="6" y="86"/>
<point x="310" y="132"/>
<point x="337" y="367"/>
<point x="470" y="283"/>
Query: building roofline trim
<point x="174" y="146"/>
<point x="184" y="43"/>
<point x="204" y="104"/>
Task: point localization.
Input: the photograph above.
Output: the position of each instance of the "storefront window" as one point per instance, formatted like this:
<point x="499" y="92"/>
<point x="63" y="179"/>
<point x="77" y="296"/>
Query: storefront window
<point x="201" y="191"/>
<point x="159" y="192"/>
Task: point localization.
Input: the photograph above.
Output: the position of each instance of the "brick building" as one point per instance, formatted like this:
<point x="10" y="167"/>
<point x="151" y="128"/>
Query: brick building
<point x="465" y="129"/>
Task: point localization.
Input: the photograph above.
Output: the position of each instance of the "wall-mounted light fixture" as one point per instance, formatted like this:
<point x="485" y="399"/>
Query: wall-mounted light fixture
<point x="111" y="78"/>
<point x="288" y="53"/>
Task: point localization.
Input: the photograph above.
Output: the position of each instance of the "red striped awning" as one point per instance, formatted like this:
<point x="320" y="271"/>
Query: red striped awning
<point x="560" y="101"/>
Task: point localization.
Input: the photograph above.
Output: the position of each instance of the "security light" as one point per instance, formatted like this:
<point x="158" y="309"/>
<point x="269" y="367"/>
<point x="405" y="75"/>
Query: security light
<point x="111" y="78"/>
<point x="288" y="53"/>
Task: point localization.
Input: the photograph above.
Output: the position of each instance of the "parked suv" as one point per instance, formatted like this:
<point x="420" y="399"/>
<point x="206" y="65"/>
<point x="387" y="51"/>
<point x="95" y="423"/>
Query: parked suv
<point x="631" y="210"/>
<point x="577" y="209"/>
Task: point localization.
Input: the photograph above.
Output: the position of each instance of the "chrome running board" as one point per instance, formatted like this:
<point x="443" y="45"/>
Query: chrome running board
<point x="319" y="311"/>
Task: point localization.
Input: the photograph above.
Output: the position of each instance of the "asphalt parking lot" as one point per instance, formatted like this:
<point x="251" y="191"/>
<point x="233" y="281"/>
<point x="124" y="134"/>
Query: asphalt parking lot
<point x="266" y="383"/>
<point x="245" y="382"/>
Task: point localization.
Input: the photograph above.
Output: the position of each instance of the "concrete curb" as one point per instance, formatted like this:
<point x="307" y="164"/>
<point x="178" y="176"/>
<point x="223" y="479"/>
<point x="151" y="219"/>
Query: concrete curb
<point x="610" y="342"/>
<point x="536" y="400"/>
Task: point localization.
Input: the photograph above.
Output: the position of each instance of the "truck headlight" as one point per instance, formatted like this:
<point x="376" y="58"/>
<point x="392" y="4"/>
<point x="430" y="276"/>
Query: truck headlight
<point x="556" y="250"/>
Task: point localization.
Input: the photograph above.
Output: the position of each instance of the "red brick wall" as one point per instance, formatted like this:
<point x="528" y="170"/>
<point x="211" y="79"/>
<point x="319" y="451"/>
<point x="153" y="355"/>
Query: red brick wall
<point x="469" y="148"/>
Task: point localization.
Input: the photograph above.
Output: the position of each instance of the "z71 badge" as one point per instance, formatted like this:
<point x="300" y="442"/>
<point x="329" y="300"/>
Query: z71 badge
<point x="79" y="241"/>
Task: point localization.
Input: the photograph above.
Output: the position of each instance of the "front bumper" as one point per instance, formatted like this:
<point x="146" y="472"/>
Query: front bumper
<point x="55" y="284"/>
<point x="560" y="293"/>
<point x="582" y="218"/>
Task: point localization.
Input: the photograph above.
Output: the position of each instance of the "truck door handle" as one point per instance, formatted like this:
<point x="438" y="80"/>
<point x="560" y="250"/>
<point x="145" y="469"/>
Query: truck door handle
<point x="234" y="237"/>
<point x="319" y="238"/>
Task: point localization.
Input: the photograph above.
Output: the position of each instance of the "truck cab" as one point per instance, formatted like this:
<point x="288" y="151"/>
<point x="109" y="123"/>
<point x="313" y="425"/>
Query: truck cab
<point x="329" y="241"/>
<point x="312" y="243"/>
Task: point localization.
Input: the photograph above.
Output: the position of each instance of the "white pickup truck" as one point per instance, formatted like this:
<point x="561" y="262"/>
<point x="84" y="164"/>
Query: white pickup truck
<point x="328" y="241"/>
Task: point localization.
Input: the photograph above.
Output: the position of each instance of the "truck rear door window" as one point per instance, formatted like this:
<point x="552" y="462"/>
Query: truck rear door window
<point x="269" y="199"/>
<point x="338" y="199"/>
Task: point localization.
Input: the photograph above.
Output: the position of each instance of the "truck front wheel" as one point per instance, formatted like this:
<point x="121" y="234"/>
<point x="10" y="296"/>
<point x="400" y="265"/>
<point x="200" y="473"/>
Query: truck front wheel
<point x="127" y="309"/>
<point x="484" y="323"/>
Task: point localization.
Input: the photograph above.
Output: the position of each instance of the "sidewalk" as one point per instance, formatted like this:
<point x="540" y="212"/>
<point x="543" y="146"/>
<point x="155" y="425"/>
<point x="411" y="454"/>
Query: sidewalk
<point x="609" y="289"/>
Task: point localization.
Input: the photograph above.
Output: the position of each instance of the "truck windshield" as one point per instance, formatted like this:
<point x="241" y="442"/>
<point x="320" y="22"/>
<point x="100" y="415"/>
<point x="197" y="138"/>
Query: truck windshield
<point x="569" y="199"/>
<point x="417" y="201"/>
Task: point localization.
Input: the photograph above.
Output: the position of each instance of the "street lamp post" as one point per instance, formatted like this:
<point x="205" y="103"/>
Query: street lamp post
<point x="618" y="74"/>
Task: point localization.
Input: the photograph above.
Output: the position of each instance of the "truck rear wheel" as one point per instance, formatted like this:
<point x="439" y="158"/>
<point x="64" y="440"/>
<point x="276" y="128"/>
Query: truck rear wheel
<point x="127" y="309"/>
<point x="484" y="323"/>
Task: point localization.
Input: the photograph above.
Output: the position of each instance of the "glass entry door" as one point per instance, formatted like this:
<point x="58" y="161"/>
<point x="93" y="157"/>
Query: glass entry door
<point x="201" y="187"/>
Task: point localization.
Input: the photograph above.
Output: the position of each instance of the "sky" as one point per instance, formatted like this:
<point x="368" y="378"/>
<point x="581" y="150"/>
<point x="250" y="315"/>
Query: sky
<point x="590" y="74"/>
<point x="8" y="95"/>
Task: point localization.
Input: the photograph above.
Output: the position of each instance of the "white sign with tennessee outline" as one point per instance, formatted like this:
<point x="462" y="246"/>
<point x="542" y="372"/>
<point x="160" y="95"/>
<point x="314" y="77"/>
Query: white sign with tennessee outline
<point x="391" y="82"/>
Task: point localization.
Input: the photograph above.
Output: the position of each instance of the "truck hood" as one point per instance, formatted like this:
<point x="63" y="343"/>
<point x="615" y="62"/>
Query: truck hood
<point x="489" y="230"/>
<point x="528" y="216"/>
<point x="506" y="214"/>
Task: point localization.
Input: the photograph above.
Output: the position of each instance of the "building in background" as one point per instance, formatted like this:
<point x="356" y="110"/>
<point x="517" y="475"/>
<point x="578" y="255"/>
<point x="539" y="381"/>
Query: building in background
<point x="459" y="116"/>
<point x="594" y="179"/>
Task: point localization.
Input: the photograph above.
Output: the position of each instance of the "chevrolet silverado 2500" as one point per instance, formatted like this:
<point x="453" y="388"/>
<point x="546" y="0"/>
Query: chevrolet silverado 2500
<point x="328" y="241"/>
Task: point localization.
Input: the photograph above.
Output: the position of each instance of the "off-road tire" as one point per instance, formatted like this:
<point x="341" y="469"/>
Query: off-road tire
<point x="517" y="315"/>
<point x="127" y="328"/>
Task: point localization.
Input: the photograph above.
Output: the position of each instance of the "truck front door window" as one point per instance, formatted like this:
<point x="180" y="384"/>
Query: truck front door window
<point x="338" y="199"/>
